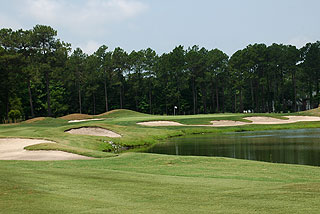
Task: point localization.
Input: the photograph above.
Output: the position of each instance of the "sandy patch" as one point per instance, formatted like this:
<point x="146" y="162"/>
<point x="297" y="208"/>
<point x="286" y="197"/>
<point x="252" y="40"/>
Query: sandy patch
<point x="218" y="123"/>
<point x="266" y="120"/>
<point x="13" y="149"/>
<point x="303" y="118"/>
<point x="291" y="119"/>
<point x="93" y="131"/>
<point x="160" y="123"/>
<point x="78" y="121"/>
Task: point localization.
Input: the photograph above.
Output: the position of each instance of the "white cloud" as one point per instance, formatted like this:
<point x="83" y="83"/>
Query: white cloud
<point x="84" y="21"/>
<point x="299" y="42"/>
<point x="114" y="9"/>
<point x="6" y="22"/>
<point x="90" y="47"/>
<point x="44" y="10"/>
<point x="91" y="12"/>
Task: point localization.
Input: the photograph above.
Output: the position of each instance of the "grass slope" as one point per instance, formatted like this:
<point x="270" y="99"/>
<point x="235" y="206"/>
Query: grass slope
<point x="120" y="113"/>
<point x="147" y="183"/>
<point x="312" y="112"/>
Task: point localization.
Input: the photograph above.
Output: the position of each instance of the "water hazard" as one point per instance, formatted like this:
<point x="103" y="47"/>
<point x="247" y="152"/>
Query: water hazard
<point x="299" y="146"/>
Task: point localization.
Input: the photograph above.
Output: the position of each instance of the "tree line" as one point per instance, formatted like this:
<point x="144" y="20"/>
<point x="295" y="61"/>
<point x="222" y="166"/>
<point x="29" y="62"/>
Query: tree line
<point x="42" y="76"/>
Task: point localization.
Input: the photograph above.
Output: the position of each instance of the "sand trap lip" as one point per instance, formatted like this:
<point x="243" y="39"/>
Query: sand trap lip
<point x="84" y="120"/>
<point x="93" y="131"/>
<point x="224" y="123"/>
<point x="13" y="149"/>
<point x="160" y="123"/>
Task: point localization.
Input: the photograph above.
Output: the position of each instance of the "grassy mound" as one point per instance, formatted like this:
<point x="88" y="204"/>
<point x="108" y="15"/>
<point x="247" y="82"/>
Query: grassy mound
<point x="76" y="116"/>
<point x="313" y="112"/>
<point x="110" y="114"/>
<point x="121" y="113"/>
<point x="34" y="120"/>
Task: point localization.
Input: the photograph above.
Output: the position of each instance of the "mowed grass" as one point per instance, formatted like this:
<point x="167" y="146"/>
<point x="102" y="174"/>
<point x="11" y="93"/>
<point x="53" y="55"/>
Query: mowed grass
<point x="150" y="183"/>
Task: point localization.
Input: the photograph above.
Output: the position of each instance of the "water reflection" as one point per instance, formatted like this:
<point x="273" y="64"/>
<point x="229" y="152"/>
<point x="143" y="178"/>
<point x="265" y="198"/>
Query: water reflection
<point x="282" y="146"/>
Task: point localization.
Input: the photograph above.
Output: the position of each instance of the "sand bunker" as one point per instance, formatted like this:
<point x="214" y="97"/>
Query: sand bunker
<point x="291" y="119"/>
<point x="77" y="121"/>
<point x="266" y="120"/>
<point x="224" y="123"/>
<point x="303" y="118"/>
<point x="93" y="131"/>
<point x="160" y="123"/>
<point x="13" y="149"/>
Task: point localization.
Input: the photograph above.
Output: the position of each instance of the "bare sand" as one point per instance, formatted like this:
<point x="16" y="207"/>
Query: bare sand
<point x="94" y="131"/>
<point x="291" y="119"/>
<point x="267" y="120"/>
<point x="225" y="123"/>
<point x="84" y="120"/>
<point x="13" y="149"/>
<point x="303" y="118"/>
<point x="160" y="123"/>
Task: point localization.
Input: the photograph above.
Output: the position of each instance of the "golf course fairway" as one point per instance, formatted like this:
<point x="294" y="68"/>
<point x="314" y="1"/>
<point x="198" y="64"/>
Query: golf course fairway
<point x="133" y="182"/>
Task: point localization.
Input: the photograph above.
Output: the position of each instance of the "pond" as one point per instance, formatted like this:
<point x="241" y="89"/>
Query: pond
<point x="299" y="146"/>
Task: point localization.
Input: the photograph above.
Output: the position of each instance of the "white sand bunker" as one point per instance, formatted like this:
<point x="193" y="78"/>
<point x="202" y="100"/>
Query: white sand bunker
<point x="93" y="131"/>
<point x="291" y="119"/>
<point x="78" y="121"/>
<point x="13" y="149"/>
<point x="266" y="120"/>
<point x="160" y="123"/>
<point x="303" y="118"/>
<point x="224" y="123"/>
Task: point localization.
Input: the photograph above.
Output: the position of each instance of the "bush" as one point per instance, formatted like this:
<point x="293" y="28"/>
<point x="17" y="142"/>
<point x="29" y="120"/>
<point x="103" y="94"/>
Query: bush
<point x="14" y="115"/>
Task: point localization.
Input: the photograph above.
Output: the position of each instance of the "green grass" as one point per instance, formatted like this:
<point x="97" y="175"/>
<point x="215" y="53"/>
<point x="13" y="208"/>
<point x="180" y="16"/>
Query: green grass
<point x="149" y="183"/>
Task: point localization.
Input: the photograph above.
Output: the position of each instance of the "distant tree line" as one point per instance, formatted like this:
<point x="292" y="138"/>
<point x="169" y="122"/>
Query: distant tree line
<point x="40" y="76"/>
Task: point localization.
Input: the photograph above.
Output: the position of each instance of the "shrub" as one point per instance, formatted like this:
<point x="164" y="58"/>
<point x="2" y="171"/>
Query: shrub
<point x="14" y="115"/>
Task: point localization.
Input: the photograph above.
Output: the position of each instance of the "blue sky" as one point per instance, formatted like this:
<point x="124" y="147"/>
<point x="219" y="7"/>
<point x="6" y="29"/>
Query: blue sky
<point x="229" y="25"/>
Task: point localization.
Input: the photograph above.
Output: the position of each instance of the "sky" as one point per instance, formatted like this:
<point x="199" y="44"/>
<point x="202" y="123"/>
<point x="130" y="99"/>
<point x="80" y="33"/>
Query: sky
<point x="228" y="25"/>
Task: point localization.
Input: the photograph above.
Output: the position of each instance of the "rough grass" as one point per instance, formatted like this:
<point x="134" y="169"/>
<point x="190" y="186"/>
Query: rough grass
<point x="312" y="112"/>
<point x="148" y="183"/>
<point x="76" y="117"/>
<point x="34" y="120"/>
<point x="120" y="113"/>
